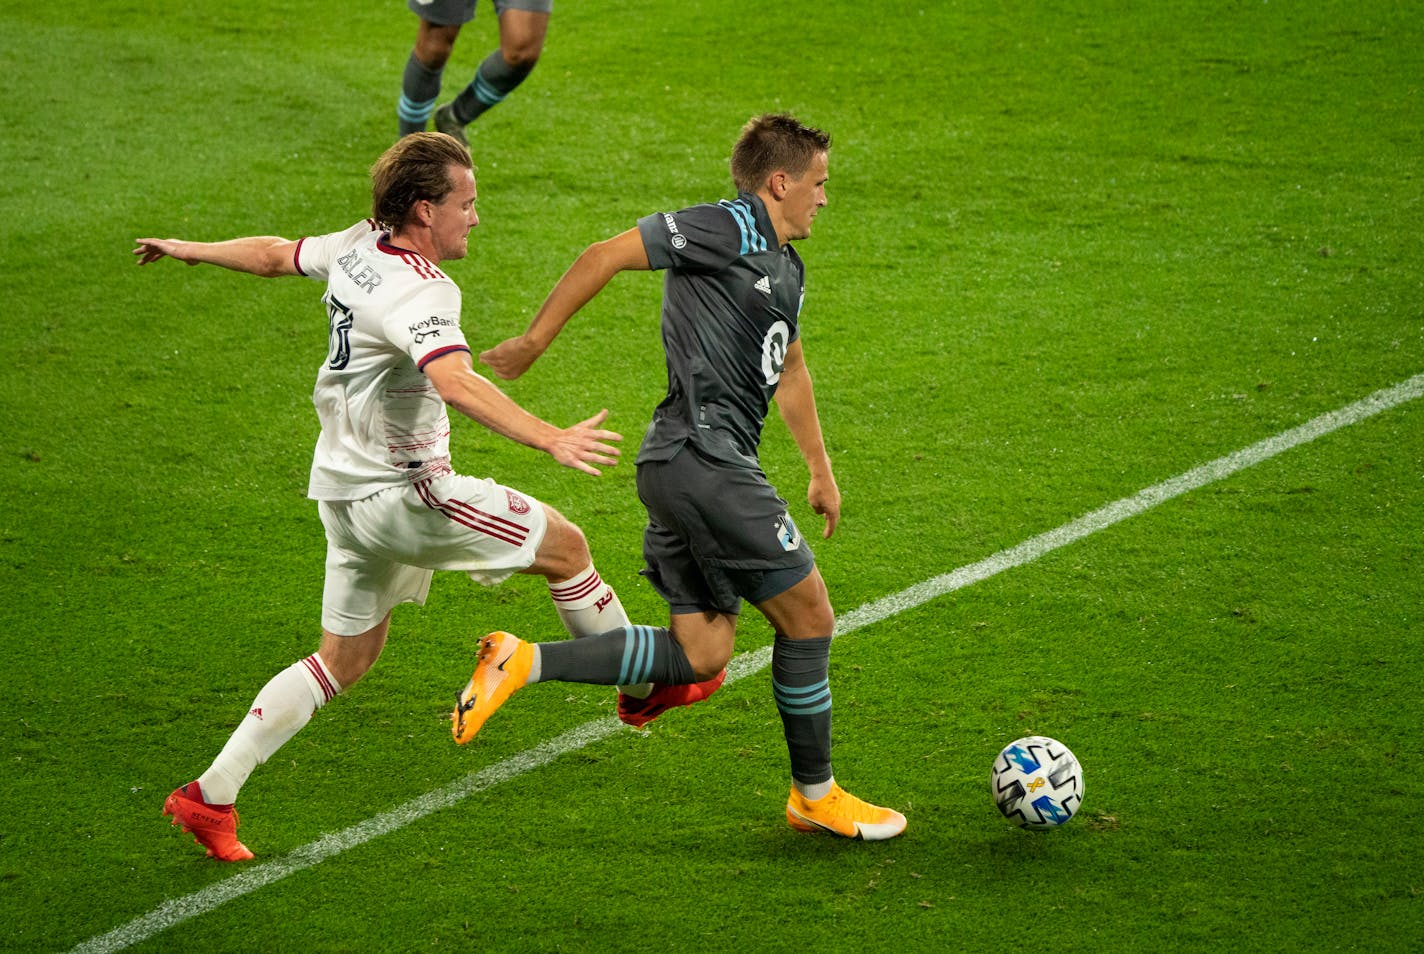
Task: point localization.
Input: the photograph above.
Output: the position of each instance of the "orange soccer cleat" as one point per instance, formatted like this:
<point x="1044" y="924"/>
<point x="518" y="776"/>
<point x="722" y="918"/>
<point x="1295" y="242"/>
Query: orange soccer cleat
<point x="503" y="667"/>
<point x="212" y="826"/>
<point x="841" y="813"/>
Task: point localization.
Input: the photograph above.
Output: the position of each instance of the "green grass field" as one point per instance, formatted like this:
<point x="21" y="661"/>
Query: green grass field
<point x="1072" y="251"/>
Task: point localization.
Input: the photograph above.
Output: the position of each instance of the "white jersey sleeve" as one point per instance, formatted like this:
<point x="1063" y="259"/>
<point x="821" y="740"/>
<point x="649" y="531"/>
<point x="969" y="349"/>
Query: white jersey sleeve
<point x="315" y="256"/>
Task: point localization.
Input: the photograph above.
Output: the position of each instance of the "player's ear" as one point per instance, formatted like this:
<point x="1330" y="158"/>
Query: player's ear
<point x="778" y="184"/>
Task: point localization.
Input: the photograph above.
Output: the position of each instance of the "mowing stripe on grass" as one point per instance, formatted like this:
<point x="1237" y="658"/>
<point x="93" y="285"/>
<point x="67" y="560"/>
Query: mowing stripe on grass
<point x="251" y="878"/>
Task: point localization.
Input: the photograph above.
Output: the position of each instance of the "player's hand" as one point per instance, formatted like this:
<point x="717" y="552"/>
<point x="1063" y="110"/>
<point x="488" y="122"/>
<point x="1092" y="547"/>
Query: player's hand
<point x="825" y="499"/>
<point x="512" y="357"/>
<point x="151" y="250"/>
<point x="585" y="444"/>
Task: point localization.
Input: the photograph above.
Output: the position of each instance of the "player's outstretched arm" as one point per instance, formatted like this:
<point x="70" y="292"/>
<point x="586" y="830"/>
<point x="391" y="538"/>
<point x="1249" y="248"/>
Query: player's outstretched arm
<point x="580" y="447"/>
<point x="796" y="400"/>
<point x="267" y="255"/>
<point x="588" y="275"/>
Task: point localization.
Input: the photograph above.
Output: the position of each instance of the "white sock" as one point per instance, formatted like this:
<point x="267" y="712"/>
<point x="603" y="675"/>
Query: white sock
<point x="816" y="792"/>
<point x="280" y="710"/>
<point x="588" y="606"/>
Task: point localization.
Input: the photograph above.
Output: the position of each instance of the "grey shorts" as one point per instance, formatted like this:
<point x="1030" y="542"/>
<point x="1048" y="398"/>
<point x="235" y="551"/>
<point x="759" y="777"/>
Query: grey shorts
<point x="453" y="12"/>
<point x="717" y="535"/>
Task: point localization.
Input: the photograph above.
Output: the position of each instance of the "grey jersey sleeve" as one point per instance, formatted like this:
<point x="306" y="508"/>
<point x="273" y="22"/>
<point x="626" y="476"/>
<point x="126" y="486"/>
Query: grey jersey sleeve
<point x="700" y="238"/>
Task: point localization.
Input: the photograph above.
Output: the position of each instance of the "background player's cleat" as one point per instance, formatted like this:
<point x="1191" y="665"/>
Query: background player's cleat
<point x="213" y="827"/>
<point x="841" y="813"/>
<point x="446" y="122"/>
<point x="503" y="666"/>
<point x="639" y="712"/>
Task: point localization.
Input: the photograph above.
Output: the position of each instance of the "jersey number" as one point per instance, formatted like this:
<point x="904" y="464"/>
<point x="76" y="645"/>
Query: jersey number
<point x="340" y="345"/>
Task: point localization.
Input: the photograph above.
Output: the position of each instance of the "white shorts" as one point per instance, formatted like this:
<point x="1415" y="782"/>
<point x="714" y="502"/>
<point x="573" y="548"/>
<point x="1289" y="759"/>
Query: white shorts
<point x="382" y="550"/>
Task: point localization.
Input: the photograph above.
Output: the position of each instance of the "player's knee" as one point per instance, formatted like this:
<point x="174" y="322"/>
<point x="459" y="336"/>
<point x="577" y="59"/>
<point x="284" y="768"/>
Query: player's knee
<point x="522" y="56"/>
<point x="434" y="44"/>
<point x="564" y="549"/>
<point x="708" y="662"/>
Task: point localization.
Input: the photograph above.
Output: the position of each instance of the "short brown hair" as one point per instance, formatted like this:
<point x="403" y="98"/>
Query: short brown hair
<point x="771" y="142"/>
<point x="416" y="167"/>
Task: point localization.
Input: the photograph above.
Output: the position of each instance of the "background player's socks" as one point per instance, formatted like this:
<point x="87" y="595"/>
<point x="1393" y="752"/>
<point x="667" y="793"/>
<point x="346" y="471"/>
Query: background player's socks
<point x="494" y="80"/>
<point x="588" y="606"/>
<point x="420" y="87"/>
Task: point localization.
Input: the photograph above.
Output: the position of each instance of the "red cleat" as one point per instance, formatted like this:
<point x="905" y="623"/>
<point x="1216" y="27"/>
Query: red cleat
<point x="639" y="712"/>
<point x="212" y="826"/>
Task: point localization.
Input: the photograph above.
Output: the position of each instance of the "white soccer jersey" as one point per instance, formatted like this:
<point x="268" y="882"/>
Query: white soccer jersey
<point x="391" y="312"/>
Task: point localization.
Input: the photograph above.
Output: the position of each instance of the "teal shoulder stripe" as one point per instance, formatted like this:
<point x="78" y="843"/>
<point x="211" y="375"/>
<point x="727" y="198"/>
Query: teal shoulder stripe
<point x="752" y="239"/>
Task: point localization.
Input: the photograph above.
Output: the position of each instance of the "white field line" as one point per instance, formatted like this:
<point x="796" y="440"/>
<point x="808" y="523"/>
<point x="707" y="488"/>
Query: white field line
<point x="249" y="879"/>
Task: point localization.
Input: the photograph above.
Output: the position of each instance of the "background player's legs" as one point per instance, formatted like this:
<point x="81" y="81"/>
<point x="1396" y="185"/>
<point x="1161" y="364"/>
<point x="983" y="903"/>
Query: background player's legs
<point x="282" y="707"/>
<point x="521" y="41"/>
<point x="420" y="83"/>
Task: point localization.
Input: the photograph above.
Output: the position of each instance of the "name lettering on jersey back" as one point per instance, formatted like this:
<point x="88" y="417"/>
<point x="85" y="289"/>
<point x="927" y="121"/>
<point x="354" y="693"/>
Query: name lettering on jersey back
<point x="366" y="277"/>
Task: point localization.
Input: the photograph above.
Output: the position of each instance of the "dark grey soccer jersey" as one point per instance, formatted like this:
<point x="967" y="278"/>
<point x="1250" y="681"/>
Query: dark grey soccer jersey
<point x="730" y="304"/>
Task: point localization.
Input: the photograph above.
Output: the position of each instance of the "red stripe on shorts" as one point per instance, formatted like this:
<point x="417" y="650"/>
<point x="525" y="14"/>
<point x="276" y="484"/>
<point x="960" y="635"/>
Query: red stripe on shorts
<point x="476" y="519"/>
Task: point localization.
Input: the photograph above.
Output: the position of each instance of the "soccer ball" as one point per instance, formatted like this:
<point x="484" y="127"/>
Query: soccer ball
<point x="1036" y="782"/>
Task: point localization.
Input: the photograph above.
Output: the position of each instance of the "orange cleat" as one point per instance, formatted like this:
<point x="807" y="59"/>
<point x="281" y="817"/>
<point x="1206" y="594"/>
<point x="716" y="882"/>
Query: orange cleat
<point x="841" y="813"/>
<point x="503" y="667"/>
<point x="212" y="826"/>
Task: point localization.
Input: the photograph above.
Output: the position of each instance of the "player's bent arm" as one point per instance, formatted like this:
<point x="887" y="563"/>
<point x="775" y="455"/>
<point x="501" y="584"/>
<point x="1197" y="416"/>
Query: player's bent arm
<point x="269" y="256"/>
<point x="476" y="397"/>
<point x="586" y="277"/>
<point x="796" y="402"/>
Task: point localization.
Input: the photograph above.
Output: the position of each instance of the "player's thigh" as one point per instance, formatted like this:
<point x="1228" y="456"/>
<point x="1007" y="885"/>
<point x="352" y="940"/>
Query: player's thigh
<point x="707" y="639"/>
<point x="348" y="658"/>
<point x="802" y="611"/>
<point x="731" y="519"/>
<point x="682" y="578"/>
<point x="361" y="588"/>
<point x="452" y="522"/>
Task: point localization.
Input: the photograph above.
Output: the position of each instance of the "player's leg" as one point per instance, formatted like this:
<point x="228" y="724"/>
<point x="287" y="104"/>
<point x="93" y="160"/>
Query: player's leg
<point x="420" y="82"/>
<point x="706" y="637"/>
<point x="282" y="707"/>
<point x="587" y="606"/>
<point x="804" y="622"/>
<point x="609" y="651"/>
<point x="585" y="603"/>
<point x="523" y="24"/>
<point x="359" y="593"/>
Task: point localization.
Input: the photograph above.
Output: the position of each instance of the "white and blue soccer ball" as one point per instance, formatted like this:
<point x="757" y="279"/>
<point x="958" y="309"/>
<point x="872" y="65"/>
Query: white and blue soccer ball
<point x="1037" y="782"/>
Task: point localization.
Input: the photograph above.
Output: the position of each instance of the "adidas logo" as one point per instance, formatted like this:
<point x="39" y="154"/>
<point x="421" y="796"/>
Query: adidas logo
<point x="764" y="285"/>
<point x="256" y="711"/>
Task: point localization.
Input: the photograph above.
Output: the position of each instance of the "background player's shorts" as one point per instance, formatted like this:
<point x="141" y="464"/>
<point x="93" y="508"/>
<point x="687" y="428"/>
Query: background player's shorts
<point x="382" y="550"/>
<point x="717" y="535"/>
<point x="453" y="12"/>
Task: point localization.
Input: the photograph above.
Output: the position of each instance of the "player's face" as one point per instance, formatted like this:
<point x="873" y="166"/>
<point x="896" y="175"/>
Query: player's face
<point x="454" y="216"/>
<point x="804" y="197"/>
